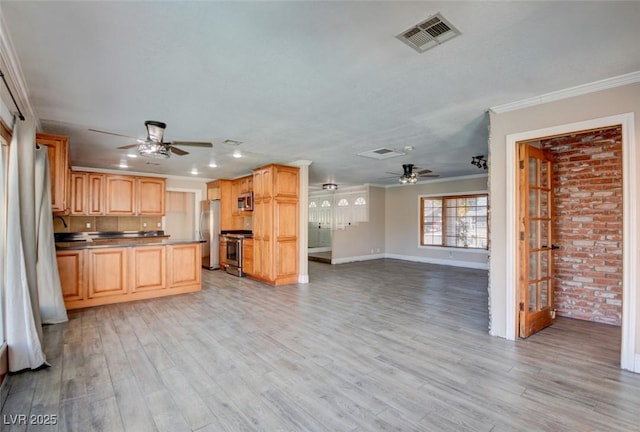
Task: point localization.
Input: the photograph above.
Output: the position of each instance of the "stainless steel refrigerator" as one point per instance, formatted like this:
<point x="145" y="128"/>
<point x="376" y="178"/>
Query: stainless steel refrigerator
<point x="210" y="232"/>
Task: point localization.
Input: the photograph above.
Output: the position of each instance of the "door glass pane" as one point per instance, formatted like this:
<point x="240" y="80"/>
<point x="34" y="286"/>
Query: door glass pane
<point x="544" y="294"/>
<point x="533" y="297"/>
<point x="533" y="234"/>
<point x="533" y="202"/>
<point x="544" y="202"/>
<point x="533" y="171"/>
<point x="544" y="174"/>
<point x="533" y="266"/>
<point x="544" y="264"/>
<point x="545" y="230"/>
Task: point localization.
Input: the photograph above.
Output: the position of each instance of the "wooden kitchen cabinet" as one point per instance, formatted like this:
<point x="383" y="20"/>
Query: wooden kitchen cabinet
<point x="108" y="272"/>
<point x="275" y="224"/>
<point x="73" y="275"/>
<point x="79" y="193"/>
<point x="87" y="193"/>
<point x="121" y="195"/>
<point x="58" y="153"/>
<point x="223" y="253"/>
<point x="247" y="256"/>
<point x="185" y="265"/>
<point x="148" y="268"/>
<point x="151" y="196"/>
<point x="213" y="190"/>
<point x="97" y="194"/>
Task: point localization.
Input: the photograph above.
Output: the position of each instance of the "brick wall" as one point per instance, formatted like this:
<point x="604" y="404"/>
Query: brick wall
<point x="588" y="224"/>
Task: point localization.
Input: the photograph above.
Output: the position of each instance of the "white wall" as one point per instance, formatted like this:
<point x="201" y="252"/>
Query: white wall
<point x="402" y="226"/>
<point x="586" y="107"/>
<point x="355" y="243"/>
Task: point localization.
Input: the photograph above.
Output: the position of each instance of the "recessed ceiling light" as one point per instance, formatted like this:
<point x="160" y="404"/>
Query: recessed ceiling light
<point x="132" y="156"/>
<point x="123" y="164"/>
<point x="194" y="171"/>
<point x="237" y="154"/>
<point x="212" y="165"/>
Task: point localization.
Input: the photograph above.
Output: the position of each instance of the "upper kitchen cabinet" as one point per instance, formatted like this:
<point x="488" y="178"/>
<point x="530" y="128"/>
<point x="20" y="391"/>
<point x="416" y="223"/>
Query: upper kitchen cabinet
<point x="121" y="195"/>
<point x="87" y="193"/>
<point x="128" y="195"/>
<point x="151" y="193"/>
<point x="58" y="152"/>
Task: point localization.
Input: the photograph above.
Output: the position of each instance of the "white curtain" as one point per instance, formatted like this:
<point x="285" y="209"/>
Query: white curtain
<point x="52" y="308"/>
<point x="4" y="153"/>
<point x="22" y="312"/>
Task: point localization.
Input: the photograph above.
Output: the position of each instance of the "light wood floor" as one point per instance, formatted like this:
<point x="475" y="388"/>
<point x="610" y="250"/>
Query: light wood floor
<point x="383" y="345"/>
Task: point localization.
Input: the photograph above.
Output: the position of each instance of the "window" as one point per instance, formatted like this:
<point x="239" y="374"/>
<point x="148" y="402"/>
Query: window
<point x="454" y="221"/>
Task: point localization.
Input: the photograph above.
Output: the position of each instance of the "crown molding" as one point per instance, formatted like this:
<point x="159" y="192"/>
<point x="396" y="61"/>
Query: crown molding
<point x="570" y="92"/>
<point x="14" y="74"/>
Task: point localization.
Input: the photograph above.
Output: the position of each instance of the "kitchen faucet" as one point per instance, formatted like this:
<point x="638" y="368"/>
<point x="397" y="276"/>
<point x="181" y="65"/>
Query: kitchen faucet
<point x="62" y="219"/>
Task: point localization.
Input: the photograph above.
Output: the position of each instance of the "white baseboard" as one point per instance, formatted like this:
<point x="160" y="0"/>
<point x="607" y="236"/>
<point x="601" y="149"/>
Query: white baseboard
<point x="319" y="249"/>
<point x="303" y="279"/>
<point x="636" y="364"/>
<point x="428" y="260"/>
<point x="356" y="258"/>
<point x="440" y="261"/>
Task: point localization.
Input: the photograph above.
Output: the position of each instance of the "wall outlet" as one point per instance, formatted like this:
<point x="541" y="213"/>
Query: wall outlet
<point x="371" y="250"/>
<point x="159" y="224"/>
<point x="88" y="225"/>
<point x="378" y="250"/>
<point x="144" y="224"/>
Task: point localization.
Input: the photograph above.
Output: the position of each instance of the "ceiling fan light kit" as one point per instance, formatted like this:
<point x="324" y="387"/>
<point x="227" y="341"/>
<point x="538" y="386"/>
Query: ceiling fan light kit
<point x="154" y="150"/>
<point x="330" y="186"/>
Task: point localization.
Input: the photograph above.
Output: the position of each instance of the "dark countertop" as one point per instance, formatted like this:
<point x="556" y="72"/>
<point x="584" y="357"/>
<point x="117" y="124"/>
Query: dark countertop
<point x="61" y="246"/>
<point x="106" y="235"/>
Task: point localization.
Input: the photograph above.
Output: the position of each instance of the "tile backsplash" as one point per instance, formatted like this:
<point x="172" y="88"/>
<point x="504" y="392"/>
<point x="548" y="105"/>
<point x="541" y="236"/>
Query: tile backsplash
<point x="107" y="223"/>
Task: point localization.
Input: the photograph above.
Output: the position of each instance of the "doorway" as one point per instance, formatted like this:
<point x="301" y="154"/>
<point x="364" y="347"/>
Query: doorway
<point x="628" y="359"/>
<point x="180" y="215"/>
<point x="571" y="212"/>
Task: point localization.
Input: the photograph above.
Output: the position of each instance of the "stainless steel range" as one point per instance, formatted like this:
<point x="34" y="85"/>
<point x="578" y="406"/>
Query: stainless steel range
<point x="234" y="254"/>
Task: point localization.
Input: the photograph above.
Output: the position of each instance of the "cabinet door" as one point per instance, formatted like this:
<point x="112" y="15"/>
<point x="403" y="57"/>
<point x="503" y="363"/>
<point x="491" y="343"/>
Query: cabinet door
<point x="184" y="265"/>
<point x="223" y="253"/>
<point x="97" y="192"/>
<point x="286" y="182"/>
<point x="148" y="268"/>
<point x="235" y="191"/>
<point x="226" y="206"/>
<point x="79" y="193"/>
<point x="247" y="256"/>
<point x="73" y="279"/>
<point x="121" y="195"/>
<point x="58" y="153"/>
<point x="108" y="272"/>
<point x="262" y="182"/>
<point x="151" y="195"/>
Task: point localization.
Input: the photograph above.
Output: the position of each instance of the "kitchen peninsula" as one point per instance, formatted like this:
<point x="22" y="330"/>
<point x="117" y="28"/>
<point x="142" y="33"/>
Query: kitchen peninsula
<point x="102" y="268"/>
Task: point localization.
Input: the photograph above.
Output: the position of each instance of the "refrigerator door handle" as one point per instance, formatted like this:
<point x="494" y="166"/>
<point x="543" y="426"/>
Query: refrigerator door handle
<point x="200" y="227"/>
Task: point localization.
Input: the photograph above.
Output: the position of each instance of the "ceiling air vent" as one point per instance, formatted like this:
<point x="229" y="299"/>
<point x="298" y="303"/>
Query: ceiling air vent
<point x="381" y="153"/>
<point x="429" y="33"/>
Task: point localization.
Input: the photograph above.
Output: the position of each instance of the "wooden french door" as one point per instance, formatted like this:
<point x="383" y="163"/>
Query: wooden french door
<point x="535" y="245"/>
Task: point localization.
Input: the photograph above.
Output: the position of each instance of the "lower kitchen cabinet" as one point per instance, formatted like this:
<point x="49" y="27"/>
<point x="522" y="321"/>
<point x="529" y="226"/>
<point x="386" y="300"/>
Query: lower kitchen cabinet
<point x="148" y="268"/>
<point x="108" y="271"/>
<point x="247" y="256"/>
<point x="71" y="266"/>
<point x="185" y="265"/>
<point x="97" y="275"/>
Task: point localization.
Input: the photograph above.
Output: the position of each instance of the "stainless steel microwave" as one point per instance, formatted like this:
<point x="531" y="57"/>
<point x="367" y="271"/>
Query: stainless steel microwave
<point x="245" y="201"/>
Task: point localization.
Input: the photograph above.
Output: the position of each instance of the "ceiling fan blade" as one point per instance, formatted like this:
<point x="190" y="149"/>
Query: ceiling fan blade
<point x="192" y="143"/>
<point x="423" y="171"/>
<point x="112" y="133"/>
<point x="428" y="175"/>
<point x="395" y="174"/>
<point x="177" y="151"/>
<point x="127" y="146"/>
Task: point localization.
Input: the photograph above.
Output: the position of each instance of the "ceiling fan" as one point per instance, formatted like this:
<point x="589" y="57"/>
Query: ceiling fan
<point x="410" y="176"/>
<point x="153" y="146"/>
